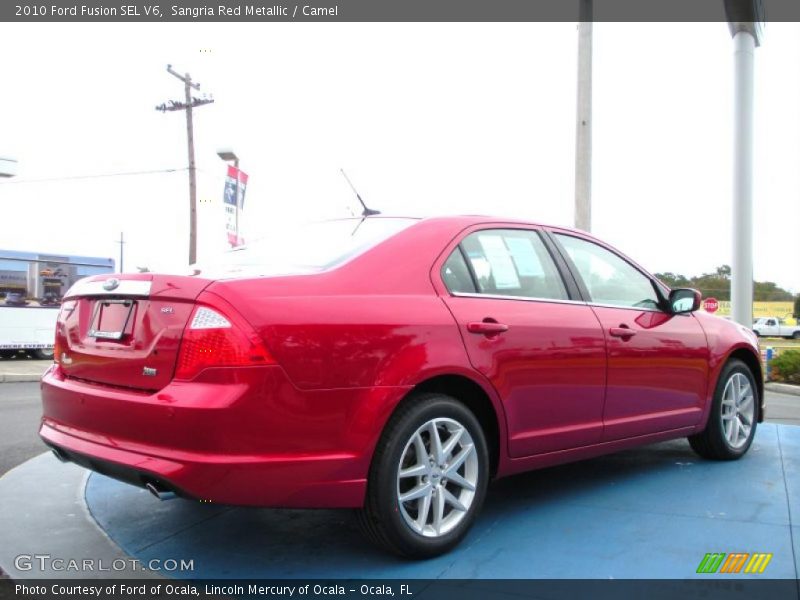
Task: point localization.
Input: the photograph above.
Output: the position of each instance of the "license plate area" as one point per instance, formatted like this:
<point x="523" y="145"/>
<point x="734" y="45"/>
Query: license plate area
<point x="110" y="319"/>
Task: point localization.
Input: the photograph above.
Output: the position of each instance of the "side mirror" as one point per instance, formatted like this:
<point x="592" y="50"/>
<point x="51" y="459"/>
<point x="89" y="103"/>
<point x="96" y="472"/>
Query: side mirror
<point x="684" y="300"/>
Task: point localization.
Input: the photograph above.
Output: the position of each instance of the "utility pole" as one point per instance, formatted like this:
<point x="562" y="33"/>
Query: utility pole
<point x="121" y="243"/>
<point x="187" y="105"/>
<point x="583" y="121"/>
<point x="745" y="18"/>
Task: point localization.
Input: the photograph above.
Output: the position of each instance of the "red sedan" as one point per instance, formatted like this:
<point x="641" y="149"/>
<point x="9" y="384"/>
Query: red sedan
<point x="392" y="365"/>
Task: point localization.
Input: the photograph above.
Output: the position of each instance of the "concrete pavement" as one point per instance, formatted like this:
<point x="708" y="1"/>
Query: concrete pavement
<point x="21" y="369"/>
<point x="44" y="512"/>
<point x="20" y="411"/>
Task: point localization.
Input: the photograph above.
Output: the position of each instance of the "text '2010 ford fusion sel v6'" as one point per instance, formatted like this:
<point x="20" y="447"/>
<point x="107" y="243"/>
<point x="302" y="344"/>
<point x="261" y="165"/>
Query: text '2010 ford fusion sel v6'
<point x="392" y="365"/>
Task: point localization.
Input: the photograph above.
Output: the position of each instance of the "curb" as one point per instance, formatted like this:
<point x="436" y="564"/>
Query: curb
<point x="783" y="388"/>
<point x="19" y="378"/>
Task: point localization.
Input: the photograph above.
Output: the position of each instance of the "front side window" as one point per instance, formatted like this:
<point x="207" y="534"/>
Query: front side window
<point x="609" y="278"/>
<point x="509" y="262"/>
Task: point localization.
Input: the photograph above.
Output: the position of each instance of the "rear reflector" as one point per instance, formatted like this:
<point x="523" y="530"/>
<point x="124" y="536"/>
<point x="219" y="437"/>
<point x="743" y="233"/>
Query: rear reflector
<point x="214" y="340"/>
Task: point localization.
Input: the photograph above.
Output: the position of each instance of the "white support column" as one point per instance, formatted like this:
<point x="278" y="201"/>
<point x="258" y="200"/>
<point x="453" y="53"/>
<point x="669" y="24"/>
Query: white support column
<point x="742" y="266"/>
<point x="583" y="123"/>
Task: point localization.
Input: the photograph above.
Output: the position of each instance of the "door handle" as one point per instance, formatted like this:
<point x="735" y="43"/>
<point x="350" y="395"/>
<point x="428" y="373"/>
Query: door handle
<point x="486" y="327"/>
<point x="623" y="331"/>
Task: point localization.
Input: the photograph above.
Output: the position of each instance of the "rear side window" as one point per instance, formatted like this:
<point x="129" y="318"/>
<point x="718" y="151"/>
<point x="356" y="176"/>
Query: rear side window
<point x="511" y="262"/>
<point x="456" y="276"/>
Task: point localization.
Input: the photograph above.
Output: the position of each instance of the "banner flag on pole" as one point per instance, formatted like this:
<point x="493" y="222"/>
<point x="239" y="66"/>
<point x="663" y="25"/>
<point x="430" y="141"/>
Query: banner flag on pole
<point x="235" y="188"/>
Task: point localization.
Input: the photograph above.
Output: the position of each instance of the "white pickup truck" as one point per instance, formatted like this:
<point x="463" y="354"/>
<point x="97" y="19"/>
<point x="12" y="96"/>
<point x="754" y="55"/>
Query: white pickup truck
<point x="775" y="327"/>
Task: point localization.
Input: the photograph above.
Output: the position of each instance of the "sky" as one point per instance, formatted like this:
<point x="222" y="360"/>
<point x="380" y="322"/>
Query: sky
<point x="426" y="119"/>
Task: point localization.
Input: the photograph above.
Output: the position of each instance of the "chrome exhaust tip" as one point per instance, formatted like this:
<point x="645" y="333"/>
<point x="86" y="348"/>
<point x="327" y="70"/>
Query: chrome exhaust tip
<point x="159" y="493"/>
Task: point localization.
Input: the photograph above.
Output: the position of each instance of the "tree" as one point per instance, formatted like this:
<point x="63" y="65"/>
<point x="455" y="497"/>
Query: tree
<point x="770" y="292"/>
<point x="718" y="285"/>
<point x="674" y="280"/>
<point x="796" y="311"/>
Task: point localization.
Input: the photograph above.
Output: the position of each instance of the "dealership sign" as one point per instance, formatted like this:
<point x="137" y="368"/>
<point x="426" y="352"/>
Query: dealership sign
<point x="235" y="188"/>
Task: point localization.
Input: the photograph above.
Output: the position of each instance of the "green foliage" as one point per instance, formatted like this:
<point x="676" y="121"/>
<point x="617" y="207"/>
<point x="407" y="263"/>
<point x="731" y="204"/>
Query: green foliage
<point x="796" y="311"/>
<point x="786" y="366"/>
<point x="674" y="280"/>
<point x="718" y="285"/>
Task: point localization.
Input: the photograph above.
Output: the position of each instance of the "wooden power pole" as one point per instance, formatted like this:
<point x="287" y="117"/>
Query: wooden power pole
<point x="188" y="104"/>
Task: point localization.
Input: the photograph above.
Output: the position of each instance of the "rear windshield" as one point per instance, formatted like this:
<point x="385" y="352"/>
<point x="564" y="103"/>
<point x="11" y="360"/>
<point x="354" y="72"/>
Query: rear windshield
<point x="307" y="248"/>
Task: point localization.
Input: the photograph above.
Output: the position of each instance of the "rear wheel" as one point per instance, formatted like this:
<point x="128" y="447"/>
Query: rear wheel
<point x="734" y="415"/>
<point x="428" y="478"/>
<point x="796" y="335"/>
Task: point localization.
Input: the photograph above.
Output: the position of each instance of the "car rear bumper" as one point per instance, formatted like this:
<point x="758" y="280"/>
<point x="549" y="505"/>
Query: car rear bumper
<point x="242" y="437"/>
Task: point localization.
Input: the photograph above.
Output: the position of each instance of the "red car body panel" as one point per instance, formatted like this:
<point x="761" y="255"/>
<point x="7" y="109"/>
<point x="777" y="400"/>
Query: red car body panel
<point x="346" y="346"/>
<point x="552" y="380"/>
<point x="243" y="436"/>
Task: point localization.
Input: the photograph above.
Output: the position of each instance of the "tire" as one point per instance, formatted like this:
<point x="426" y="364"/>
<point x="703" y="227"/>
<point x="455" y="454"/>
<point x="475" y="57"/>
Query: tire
<point x="43" y="353"/>
<point x="727" y="435"/>
<point x="796" y="335"/>
<point x="408" y="441"/>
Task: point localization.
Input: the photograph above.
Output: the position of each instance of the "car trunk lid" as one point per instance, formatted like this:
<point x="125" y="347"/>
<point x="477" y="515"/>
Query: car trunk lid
<point x="125" y="330"/>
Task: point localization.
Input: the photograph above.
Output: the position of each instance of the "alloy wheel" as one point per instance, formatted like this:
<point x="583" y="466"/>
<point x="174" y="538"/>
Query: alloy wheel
<point x="738" y="410"/>
<point x="437" y="477"/>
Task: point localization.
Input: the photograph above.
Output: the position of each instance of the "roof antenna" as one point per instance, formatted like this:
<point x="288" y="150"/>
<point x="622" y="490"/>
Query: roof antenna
<point x="367" y="212"/>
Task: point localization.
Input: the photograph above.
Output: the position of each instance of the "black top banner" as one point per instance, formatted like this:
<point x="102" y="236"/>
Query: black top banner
<point x="104" y="11"/>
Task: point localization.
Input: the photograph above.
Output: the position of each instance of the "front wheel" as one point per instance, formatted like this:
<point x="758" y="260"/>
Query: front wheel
<point x="734" y="415"/>
<point x="428" y="478"/>
<point x="796" y="335"/>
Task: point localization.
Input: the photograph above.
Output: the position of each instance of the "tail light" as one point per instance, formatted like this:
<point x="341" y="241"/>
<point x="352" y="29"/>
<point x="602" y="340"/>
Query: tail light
<point x="213" y="339"/>
<point x="65" y="311"/>
<point x="57" y="350"/>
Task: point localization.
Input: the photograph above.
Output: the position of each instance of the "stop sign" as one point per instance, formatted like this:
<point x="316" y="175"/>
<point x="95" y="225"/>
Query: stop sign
<point x="710" y="305"/>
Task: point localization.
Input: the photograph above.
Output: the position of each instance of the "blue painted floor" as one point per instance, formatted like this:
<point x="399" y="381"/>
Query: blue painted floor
<point x="647" y="513"/>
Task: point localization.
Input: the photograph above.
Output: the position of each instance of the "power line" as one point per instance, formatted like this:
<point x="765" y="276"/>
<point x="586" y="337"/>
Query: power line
<point x="94" y="176"/>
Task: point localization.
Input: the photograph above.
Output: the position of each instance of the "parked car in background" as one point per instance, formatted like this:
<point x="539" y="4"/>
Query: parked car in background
<point x="391" y="365"/>
<point x="50" y="299"/>
<point x="16" y="299"/>
<point x="775" y="327"/>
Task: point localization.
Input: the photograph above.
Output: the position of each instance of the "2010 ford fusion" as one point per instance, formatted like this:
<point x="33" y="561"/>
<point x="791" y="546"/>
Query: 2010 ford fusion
<point x="392" y="365"/>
